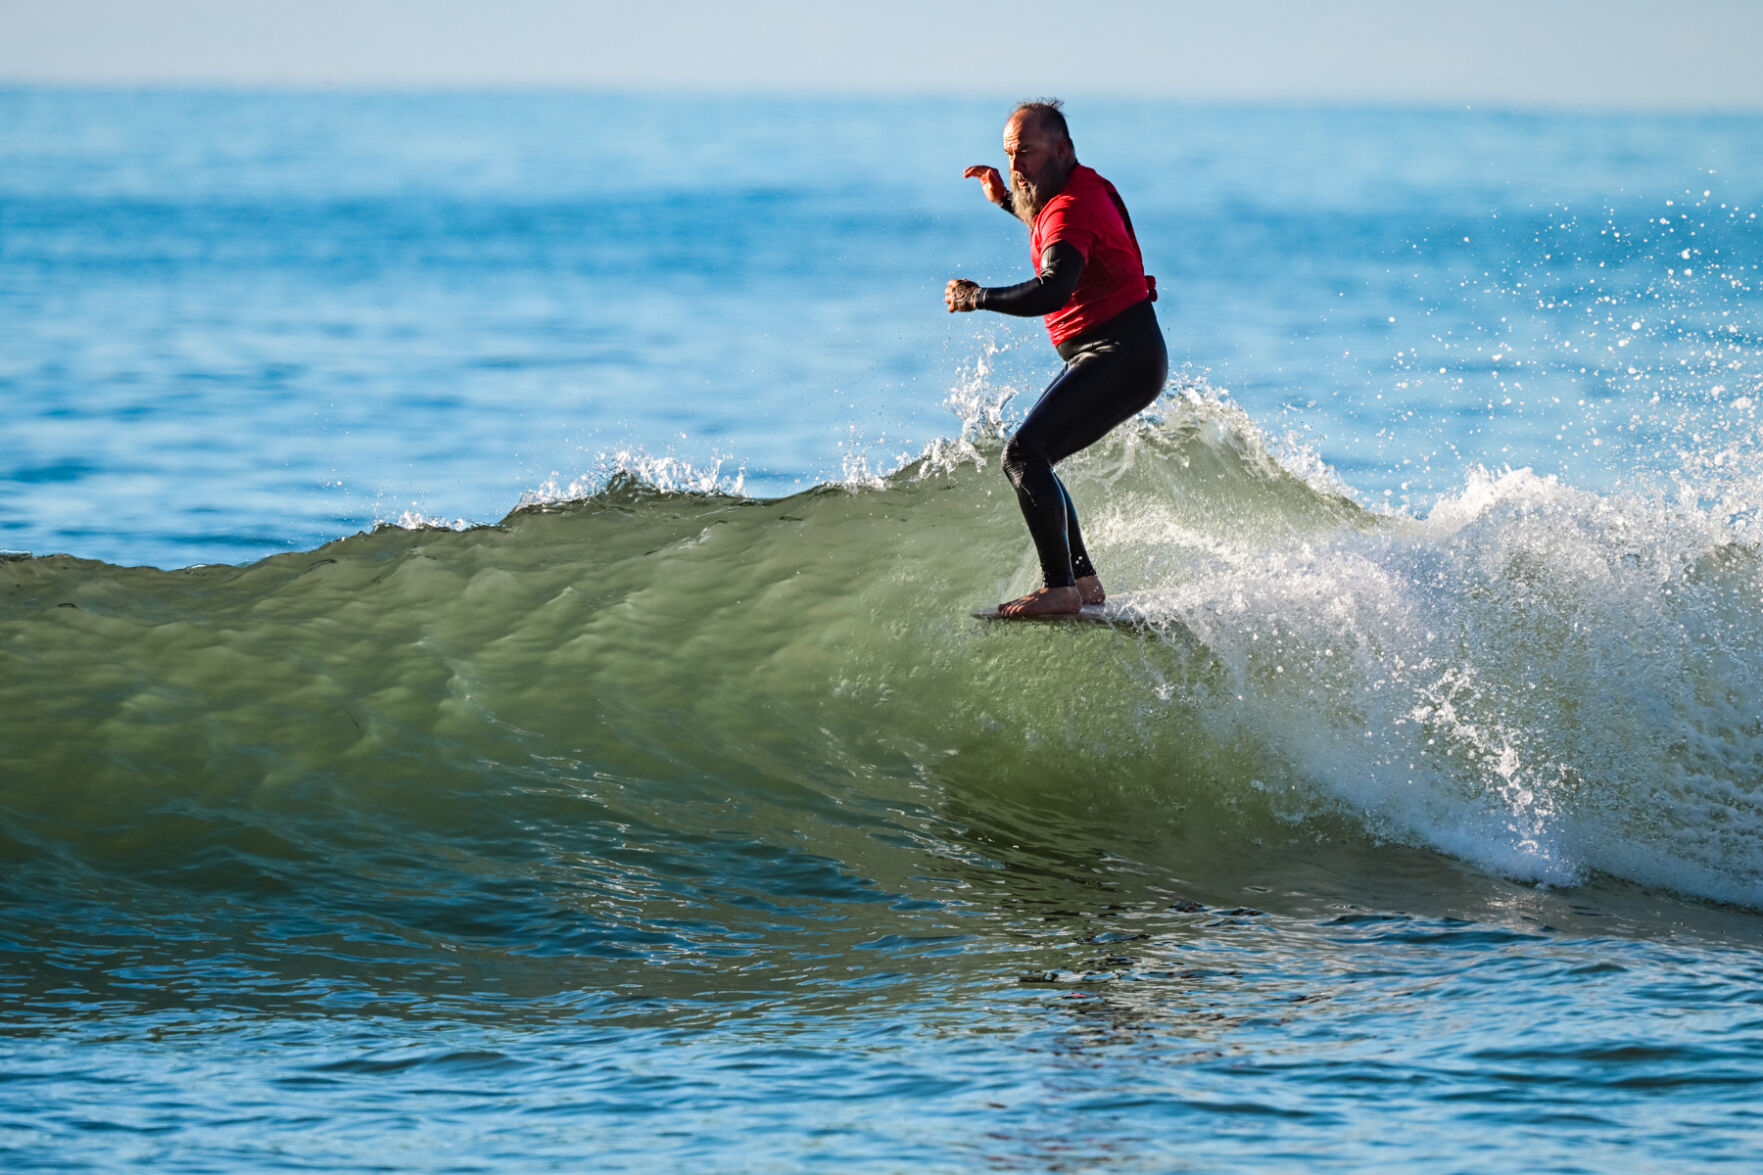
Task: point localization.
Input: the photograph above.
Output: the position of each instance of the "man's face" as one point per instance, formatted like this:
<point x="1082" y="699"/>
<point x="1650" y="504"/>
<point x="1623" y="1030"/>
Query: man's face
<point x="1040" y="161"/>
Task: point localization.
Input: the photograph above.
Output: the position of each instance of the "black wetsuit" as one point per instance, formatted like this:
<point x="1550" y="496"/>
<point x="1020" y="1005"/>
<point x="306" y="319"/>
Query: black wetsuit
<point x="1112" y="372"/>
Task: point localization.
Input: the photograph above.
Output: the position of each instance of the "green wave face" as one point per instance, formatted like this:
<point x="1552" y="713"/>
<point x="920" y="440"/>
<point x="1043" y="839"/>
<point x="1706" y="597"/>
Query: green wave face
<point x="653" y="723"/>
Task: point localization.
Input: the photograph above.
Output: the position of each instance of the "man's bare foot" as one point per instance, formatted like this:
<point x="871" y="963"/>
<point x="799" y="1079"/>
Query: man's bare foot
<point x="1090" y="588"/>
<point x="1048" y="601"/>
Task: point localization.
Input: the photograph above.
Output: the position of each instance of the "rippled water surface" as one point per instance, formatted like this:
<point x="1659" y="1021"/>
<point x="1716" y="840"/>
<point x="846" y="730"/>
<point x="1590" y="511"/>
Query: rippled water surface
<point x="486" y="681"/>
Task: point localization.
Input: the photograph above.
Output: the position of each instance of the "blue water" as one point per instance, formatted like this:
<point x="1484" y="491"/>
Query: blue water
<point x="486" y="683"/>
<point x="343" y="309"/>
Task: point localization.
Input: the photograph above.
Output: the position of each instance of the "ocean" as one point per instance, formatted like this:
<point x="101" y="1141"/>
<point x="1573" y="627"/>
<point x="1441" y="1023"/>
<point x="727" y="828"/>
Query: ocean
<point x="487" y="682"/>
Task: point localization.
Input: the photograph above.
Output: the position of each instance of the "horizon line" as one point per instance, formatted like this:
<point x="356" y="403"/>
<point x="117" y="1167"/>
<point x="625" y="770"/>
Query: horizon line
<point x="318" y="87"/>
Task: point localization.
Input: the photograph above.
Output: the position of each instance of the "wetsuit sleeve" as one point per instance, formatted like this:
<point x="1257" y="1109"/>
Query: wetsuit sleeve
<point x="1061" y="266"/>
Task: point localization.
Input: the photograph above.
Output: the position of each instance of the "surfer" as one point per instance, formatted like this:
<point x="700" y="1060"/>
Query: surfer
<point x="1090" y="287"/>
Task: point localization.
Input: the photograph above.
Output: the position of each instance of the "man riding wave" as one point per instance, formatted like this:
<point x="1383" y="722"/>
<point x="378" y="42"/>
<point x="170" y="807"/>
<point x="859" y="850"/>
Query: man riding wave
<point x="1090" y="287"/>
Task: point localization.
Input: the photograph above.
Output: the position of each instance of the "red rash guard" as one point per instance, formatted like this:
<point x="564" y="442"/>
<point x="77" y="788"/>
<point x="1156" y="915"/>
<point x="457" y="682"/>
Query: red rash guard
<point x="1087" y="215"/>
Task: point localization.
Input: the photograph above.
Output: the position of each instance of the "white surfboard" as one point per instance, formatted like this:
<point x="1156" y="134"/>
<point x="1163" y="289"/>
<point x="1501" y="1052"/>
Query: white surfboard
<point x="1118" y="612"/>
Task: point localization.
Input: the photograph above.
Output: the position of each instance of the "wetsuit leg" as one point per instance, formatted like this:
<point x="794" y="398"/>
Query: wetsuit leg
<point x="1108" y="378"/>
<point x="1080" y="558"/>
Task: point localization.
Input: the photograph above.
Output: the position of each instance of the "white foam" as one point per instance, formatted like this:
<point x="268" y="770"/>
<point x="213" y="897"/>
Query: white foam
<point x="417" y="520"/>
<point x="1539" y="679"/>
<point x="665" y="474"/>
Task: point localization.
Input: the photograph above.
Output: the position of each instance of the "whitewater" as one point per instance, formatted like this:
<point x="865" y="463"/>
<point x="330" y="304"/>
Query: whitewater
<point x="483" y="689"/>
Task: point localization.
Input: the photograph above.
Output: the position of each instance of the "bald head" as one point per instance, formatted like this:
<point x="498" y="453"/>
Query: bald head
<point x="1046" y="115"/>
<point x="1038" y="146"/>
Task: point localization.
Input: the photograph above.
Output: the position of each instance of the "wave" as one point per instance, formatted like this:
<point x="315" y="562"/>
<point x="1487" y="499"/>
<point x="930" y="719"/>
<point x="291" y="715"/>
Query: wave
<point x="1544" y="682"/>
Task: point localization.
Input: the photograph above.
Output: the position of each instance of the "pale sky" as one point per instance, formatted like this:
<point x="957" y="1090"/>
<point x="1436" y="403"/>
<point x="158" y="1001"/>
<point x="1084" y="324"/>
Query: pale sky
<point x="1636" y="54"/>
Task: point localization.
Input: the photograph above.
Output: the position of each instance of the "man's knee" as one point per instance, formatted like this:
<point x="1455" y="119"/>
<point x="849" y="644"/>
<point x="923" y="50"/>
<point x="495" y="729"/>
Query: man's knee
<point x="1019" y="458"/>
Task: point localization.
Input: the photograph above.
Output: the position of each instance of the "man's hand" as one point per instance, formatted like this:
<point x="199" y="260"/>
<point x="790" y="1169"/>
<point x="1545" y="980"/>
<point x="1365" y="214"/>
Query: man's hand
<point x="997" y="191"/>
<point x="960" y="294"/>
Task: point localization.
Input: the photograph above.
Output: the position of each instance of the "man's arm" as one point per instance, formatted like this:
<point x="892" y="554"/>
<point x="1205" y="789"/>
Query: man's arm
<point x="1047" y="291"/>
<point x="996" y="190"/>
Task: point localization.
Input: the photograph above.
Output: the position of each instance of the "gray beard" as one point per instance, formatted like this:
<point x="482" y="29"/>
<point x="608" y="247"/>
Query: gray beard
<point x="1025" y="199"/>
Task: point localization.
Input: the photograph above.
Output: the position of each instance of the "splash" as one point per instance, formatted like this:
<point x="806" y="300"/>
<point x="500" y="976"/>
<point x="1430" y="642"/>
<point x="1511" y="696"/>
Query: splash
<point x="664" y="475"/>
<point x="1545" y="681"/>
